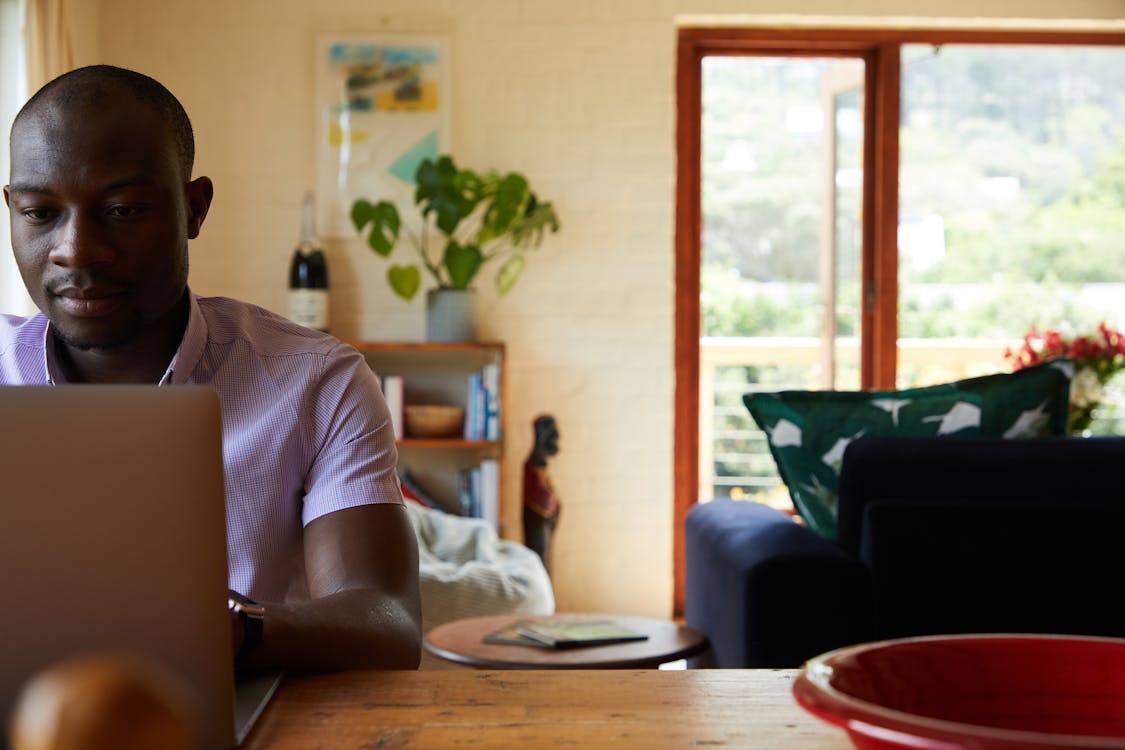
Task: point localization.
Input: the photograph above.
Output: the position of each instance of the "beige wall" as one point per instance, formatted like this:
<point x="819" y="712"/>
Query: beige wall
<point x="579" y="96"/>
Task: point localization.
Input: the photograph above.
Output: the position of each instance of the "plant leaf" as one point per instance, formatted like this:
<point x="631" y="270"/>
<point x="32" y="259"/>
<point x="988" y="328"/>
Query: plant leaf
<point x="385" y="224"/>
<point x="505" y="207"/>
<point x="361" y="213"/>
<point x="404" y="280"/>
<point x="445" y="192"/>
<point x="472" y="186"/>
<point x="462" y="262"/>
<point x="509" y="273"/>
<point x="528" y="231"/>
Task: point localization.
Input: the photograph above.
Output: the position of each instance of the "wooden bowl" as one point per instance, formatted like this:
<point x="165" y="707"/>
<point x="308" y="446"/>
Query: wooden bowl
<point x="434" y="421"/>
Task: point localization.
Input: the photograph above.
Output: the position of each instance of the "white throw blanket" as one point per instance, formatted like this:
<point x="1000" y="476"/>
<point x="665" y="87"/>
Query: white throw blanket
<point x="467" y="570"/>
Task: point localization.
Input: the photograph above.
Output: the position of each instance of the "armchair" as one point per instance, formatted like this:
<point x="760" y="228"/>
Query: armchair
<point x="935" y="535"/>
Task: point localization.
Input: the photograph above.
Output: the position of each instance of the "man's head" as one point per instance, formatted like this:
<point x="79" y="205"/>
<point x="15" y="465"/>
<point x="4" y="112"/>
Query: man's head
<point x="102" y="205"/>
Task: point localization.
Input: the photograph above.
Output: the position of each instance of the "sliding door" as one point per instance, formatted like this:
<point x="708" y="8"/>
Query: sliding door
<point x="796" y="148"/>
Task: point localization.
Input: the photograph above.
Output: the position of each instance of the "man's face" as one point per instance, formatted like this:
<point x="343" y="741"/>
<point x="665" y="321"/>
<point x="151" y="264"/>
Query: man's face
<point x="100" y="219"/>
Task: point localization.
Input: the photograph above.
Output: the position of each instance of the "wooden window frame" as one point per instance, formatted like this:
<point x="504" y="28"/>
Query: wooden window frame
<point x="881" y="49"/>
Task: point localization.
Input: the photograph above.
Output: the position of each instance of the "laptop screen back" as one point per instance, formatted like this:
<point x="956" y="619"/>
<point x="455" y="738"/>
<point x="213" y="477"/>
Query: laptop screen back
<point x="113" y="536"/>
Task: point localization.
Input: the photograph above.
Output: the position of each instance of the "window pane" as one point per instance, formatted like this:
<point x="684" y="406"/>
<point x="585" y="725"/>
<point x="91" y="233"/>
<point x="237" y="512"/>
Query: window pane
<point x="782" y="143"/>
<point x="1012" y="205"/>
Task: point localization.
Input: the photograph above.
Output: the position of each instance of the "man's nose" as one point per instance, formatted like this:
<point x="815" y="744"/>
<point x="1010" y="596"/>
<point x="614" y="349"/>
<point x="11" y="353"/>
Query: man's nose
<point x="81" y="243"/>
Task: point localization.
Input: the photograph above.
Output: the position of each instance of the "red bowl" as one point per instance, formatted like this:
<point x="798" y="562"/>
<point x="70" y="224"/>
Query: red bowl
<point x="978" y="692"/>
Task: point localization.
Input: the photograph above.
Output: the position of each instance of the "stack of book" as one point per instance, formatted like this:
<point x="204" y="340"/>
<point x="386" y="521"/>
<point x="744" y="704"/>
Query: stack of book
<point x="394" y="395"/>
<point x="482" y="404"/>
<point x="479" y="491"/>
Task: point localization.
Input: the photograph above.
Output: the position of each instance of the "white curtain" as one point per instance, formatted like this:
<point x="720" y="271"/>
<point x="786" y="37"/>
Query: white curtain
<point x="36" y="45"/>
<point x="13" y="93"/>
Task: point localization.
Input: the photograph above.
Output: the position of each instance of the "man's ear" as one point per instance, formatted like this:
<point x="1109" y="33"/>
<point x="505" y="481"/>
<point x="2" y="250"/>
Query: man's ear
<point x="200" y="191"/>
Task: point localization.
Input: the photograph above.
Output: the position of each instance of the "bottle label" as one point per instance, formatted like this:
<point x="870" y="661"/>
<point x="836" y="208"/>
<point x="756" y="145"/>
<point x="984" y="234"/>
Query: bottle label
<point x="309" y="307"/>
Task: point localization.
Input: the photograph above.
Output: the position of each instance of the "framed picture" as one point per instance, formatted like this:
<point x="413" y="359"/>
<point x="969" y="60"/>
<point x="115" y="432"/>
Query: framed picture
<point x="383" y="105"/>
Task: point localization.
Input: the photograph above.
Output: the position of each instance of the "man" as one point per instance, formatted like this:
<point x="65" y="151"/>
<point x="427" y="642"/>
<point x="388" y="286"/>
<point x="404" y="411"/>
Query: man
<point x="102" y="205"/>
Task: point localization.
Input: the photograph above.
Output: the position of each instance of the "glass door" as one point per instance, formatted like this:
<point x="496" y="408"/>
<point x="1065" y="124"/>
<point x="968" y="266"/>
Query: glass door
<point x="782" y="182"/>
<point x="1012" y="196"/>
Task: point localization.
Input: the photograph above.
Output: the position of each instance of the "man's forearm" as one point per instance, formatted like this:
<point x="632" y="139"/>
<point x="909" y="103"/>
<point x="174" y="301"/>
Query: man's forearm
<point x="356" y="629"/>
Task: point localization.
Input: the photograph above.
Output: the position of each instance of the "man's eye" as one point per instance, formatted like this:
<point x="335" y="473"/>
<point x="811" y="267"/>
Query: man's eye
<point x="125" y="211"/>
<point x="37" y="215"/>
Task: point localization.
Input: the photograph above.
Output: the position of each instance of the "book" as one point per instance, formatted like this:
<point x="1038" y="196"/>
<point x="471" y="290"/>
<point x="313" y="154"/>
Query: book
<point x="474" y="491"/>
<point x="490" y="378"/>
<point x="490" y="492"/>
<point x="393" y="394"/>
<point x="464" y="493"/>
<point x="563" y="634"/>
<point x="509" y="636"/>
<point x="410" y="485"/>
<point x="474" y="399"/>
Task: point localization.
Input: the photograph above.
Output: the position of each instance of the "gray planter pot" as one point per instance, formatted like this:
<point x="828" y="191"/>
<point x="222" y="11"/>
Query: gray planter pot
<point x="451" y="315"/>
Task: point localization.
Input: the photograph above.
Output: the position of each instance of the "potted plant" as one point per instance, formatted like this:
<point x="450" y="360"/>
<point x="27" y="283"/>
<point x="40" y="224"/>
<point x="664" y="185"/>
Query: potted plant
<point x="480" y="217"/>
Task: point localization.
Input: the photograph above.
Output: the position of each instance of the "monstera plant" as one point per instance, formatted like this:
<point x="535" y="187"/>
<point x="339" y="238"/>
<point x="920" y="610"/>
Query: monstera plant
<point x="482" y="218"/>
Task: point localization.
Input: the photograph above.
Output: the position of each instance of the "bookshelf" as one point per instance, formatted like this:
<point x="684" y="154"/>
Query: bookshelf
<point x="438" y="373"/>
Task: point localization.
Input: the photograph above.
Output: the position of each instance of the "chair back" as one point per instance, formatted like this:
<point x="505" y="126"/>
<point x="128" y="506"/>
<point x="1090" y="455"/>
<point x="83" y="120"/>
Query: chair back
<point x="987" y="535"/>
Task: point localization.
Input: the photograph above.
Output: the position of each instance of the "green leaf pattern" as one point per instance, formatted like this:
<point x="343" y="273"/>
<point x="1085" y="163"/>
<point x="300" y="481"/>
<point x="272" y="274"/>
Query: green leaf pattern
<point x="808" y="431"/>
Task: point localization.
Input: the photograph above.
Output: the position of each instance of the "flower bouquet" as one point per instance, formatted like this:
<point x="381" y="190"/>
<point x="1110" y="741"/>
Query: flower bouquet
<point x="1097" y="358"/>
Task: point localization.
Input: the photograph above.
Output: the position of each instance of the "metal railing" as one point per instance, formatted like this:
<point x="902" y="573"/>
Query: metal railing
<point x="734" y="459"/>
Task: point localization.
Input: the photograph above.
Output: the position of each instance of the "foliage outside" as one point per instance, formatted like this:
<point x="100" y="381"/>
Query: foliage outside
<point x="1018" y="152"/>
<point x="1048" y="122"/>
<point x="481" y="217"/>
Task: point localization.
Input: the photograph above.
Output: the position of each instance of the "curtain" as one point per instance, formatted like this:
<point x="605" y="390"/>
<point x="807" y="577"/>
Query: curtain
<point x="13" y="92"/>
<point x="48" y="41"/>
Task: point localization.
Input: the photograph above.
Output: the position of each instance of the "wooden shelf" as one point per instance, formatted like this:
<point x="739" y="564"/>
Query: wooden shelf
<point x="446" y="443"/>
<point x="436" y="373"/>
<point x="428" y="346"/>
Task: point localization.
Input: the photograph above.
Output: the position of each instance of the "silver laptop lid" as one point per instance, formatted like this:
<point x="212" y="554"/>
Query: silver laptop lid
<point x="113" y="535"/>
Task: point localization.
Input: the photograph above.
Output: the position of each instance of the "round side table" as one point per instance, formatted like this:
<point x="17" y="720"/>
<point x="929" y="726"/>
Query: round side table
<point x="462" y="641"/>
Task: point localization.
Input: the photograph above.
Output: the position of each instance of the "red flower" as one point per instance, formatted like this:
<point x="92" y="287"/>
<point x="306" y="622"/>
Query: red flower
<point x="1103" y="351"/>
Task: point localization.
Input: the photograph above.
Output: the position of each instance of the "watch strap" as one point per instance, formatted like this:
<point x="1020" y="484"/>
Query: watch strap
<point x="252" y="616"/>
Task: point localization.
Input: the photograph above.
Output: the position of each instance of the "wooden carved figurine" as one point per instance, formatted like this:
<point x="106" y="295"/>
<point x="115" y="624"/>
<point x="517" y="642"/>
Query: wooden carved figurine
<point x="540" y="503"/>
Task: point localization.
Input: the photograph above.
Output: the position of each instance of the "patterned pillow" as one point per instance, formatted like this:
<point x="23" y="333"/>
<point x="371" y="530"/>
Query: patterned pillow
<point x="808" y="431"/>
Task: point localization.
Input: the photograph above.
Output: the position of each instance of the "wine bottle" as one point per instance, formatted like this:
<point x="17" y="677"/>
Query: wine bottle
<point x="308" y="275"/>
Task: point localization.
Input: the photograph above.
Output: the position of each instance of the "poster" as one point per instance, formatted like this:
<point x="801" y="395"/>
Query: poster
<point x="383" y="103"/>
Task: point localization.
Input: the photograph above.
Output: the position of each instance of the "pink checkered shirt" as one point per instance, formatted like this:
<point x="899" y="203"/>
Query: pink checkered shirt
<point x="305" y="428"/>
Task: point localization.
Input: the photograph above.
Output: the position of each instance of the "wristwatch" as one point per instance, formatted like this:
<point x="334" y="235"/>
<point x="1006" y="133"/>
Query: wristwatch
<point x="253" y="616"/>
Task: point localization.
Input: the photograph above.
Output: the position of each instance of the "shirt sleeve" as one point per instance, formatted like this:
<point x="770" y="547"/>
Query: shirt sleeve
<point x="355" y="459"/>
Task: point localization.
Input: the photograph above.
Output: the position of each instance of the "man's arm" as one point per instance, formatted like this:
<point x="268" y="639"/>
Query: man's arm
<point x="365" y="610"/>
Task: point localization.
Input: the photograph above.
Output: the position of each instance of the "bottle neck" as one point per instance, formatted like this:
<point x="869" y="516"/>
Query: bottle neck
<point x="308" y="224"/>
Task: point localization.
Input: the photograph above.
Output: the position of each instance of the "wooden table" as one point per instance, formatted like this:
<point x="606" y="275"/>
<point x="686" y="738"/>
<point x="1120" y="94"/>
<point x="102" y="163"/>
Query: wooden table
<point x="649" y="709"/>
<point x="462" y="641"/>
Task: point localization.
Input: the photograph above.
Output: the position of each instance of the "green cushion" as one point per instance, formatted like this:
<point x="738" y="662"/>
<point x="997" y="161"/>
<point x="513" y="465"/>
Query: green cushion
<point x="807" y="431"/>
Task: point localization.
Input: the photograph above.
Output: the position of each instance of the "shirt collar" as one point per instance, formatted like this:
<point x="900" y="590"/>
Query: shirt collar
<point x="179" y="369"/>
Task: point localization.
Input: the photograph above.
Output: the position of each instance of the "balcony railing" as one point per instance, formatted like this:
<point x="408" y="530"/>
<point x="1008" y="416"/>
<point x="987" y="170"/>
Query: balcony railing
<point x="734" y="458"/>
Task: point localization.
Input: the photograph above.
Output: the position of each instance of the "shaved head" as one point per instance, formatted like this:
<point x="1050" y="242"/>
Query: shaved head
<point x="94" y="85"/>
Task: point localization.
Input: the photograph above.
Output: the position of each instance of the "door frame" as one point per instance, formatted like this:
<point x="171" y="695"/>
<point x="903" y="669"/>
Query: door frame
<point x="880" y="48"/>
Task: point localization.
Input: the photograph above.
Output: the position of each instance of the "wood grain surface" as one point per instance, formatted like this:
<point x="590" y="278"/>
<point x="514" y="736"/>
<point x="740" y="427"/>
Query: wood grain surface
<point x="650" y="709"/>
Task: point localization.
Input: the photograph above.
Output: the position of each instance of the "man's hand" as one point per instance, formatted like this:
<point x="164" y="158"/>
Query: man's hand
<point x="237" y="631"/>
<point x="365" y="610"/>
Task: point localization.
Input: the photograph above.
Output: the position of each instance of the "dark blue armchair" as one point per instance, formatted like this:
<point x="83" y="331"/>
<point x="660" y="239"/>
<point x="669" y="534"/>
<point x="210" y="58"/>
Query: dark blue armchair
<point x="936" y="535"/>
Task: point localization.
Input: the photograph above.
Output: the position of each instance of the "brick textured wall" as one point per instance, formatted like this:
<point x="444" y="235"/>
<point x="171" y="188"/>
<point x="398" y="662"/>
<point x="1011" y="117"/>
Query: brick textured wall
<point x="579" y="95"/>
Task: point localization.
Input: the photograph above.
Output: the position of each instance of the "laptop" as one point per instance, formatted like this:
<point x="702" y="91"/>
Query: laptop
<point x="114" y="538"/>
